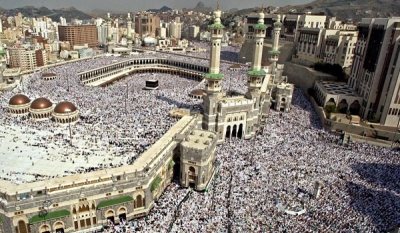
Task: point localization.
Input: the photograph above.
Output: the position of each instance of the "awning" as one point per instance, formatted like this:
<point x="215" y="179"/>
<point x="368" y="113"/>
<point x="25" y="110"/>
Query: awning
<point x="114" y="201"/>
<point x="50" y="215"/>
<point x="155" y="183"/>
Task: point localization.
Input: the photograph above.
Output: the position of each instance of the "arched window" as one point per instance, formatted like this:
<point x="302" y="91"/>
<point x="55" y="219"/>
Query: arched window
<point x="139" y="201"/>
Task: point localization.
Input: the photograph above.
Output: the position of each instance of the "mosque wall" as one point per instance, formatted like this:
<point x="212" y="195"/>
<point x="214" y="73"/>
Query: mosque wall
<point x="304" y="77"/>
<point x="87" y="200"/>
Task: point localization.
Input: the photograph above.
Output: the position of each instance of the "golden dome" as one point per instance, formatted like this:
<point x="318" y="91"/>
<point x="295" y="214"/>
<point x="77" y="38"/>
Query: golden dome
<point x="62" y="107"/>
<point x="41" y="103"/>
<point x="19" y="99"/>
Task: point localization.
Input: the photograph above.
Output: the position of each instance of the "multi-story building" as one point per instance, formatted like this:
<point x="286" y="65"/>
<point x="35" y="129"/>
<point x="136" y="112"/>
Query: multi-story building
<point x="63" y="21"/>
<point x="41" y="58"/>
<point x="102" y="34"/>
<point x="22" y="58"/>
<point x="82" y="34"/>
<point x="339" y="48"/>
<point x="146" y="24"/>
<point x="375" y="71"/>
<point x="292" y="24"/>
<point x="194" y="32"/>
<point x="175" y="30"/>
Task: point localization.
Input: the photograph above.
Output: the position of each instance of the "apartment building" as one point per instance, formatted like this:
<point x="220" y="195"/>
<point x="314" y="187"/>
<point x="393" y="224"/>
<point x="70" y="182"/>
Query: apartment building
<point x="375" y="73"/>
<point x="79" y="34"/>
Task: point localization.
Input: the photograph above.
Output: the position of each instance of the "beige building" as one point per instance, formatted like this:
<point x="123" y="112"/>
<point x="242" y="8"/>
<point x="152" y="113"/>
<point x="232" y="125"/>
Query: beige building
<point x="146" y="24"/>
<point x="375" y="74"/>
<point x="22" y="58"/>
<point x="339" y="48"/>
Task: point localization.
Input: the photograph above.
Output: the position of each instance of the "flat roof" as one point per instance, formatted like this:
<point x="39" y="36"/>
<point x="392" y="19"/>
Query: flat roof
<point x="336" y="88"/>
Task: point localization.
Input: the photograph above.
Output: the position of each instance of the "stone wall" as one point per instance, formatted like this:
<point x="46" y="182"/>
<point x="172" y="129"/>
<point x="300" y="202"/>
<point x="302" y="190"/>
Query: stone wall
<point x="304" y="77"/>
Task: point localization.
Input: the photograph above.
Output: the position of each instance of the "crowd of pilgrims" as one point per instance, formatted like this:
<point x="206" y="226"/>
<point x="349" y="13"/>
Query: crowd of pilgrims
<point x="360" y="188"/>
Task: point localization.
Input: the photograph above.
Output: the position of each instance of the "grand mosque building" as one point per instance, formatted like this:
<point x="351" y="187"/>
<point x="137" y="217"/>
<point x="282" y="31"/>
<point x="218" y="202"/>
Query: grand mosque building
<point x="84" y="201"/>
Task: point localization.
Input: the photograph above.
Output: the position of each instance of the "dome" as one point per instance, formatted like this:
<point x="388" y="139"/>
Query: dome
<point x="19" y="99"/>
<point x="197" y="92"/>
<point x="41" y="103"/>
<point x="63" y="106"/>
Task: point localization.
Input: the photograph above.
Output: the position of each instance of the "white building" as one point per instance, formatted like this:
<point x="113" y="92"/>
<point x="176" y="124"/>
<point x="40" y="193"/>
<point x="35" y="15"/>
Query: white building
<point x="63" y="21"/>
<point x="339" y="48"/>
<point x="194" y="32"/>
<point x="175" y="30"/>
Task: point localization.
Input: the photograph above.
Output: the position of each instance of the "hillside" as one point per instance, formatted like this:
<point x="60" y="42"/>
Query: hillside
<point x="351" y="10"/>
<point x="30" y="11"/>
<point x="200" y="7"/>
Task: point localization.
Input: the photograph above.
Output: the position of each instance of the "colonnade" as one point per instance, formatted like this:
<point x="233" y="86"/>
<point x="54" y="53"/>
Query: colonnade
<point x="177" y="67"/>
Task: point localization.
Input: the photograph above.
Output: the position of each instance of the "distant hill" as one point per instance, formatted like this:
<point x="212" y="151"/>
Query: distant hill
<point x="30" y="11"/>
<point x="162" y="9"/>
<point x="200" y="7"/>
<point x="352" y="10"/>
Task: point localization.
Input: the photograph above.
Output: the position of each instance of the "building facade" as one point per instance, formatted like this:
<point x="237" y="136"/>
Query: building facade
<point x="81" y="34"/>
<point x="87" y="201"/>
<point x="375" y="71"/>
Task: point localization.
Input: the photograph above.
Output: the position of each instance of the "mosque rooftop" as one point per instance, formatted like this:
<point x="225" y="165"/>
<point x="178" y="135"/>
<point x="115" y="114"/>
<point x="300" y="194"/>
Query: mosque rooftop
<point x="213" y="76"/>
<point x="256" y="72"/>
<point x="217" y="26"/>
<point x="259" y="26"/>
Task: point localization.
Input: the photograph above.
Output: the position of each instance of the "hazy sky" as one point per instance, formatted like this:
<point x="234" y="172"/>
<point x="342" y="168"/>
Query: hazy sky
<point x="137" y="5"/>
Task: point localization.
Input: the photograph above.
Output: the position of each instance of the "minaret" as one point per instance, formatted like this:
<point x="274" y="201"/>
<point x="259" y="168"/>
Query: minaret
<point x="274" y="52"/>
<point x="214" y="77"/>
<point x="116" y="31"/>
<point x="255" y="76"/>
<point x="129" y="31"/>
<point x="109" y="32"/>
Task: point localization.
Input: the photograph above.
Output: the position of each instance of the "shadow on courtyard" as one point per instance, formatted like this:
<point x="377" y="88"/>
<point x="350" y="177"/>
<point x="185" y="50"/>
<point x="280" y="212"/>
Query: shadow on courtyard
<point x="179" y="104"/>
<point x="229" y="56"/>
<point x="380" y="203"/>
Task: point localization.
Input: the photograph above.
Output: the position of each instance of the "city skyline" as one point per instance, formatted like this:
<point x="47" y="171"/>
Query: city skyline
<point x="126" y="5"/>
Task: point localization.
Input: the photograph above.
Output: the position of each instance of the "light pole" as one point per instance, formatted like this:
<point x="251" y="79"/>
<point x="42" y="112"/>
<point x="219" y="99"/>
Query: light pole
<point x="69" y="126"/>
<point x="395" y="133"/>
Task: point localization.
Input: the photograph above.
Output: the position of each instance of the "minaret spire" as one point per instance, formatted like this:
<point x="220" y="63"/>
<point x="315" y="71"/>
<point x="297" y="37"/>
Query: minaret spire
<point x="213" y="77"/>
<point x="109" y="33"/>
<point x="274" y="52"/>
<point x="129" y="31"/>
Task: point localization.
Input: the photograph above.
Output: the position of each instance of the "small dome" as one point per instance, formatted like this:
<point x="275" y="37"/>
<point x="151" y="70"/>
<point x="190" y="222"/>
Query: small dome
<point x="41" y="103"/>
<point x="197" y="92"/>
<point x="19" y="99"/>
<point x="62" y="107"/>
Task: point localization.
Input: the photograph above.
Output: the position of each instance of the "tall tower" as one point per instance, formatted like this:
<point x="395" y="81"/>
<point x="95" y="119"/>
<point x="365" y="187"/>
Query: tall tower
<point x="116" y="31"/>
<point x="274" y="52"/>
<point x="256" y="75"/>
<point x="109" y="32"/>
<point x="213" y="77"/>
<point x="129" y="31"/>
